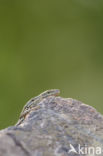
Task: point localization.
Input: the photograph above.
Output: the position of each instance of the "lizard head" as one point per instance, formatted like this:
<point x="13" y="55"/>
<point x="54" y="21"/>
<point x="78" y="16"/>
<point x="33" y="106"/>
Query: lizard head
<point x="52" y="92"/>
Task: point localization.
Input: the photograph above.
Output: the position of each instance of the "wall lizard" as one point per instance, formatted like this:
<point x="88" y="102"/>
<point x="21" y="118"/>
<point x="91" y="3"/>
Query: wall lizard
<point x="32" y="103"/>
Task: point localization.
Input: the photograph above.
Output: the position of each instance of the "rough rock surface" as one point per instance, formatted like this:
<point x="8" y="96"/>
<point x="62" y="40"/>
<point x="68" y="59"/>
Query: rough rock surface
<point x="54" y="129"/>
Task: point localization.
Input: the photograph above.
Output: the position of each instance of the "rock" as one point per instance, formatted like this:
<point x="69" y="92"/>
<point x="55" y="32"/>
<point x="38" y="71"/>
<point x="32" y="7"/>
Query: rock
<point x="60" y="127"/>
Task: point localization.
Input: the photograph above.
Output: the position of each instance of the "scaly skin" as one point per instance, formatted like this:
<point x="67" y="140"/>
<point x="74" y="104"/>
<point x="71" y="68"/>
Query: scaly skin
<point x="32" y="103"/>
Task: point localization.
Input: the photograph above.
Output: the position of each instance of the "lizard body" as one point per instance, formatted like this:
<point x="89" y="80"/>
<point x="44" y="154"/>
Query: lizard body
<point x="32" y="103"/>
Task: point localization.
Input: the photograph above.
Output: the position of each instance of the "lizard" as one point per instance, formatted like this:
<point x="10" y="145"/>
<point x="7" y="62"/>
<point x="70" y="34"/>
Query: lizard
<point x="32" y="103"/>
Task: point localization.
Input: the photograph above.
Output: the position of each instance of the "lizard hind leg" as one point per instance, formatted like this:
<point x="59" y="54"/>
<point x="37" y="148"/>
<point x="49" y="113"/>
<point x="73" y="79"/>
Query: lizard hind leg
<point x="23" y="115"/>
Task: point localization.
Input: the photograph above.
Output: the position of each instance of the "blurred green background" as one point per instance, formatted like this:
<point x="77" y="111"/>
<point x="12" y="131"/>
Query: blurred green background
<point x="50" y="44"/>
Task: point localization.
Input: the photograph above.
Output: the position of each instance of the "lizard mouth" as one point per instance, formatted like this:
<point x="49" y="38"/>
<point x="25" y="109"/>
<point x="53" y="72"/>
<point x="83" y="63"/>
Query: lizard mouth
<point x="56" y="94"/>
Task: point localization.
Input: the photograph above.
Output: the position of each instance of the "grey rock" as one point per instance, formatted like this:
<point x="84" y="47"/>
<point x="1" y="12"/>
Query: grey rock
<point x="57" y="127"/>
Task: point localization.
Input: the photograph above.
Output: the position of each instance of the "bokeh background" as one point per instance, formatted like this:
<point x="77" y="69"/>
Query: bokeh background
<point x="50" y="44"/>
